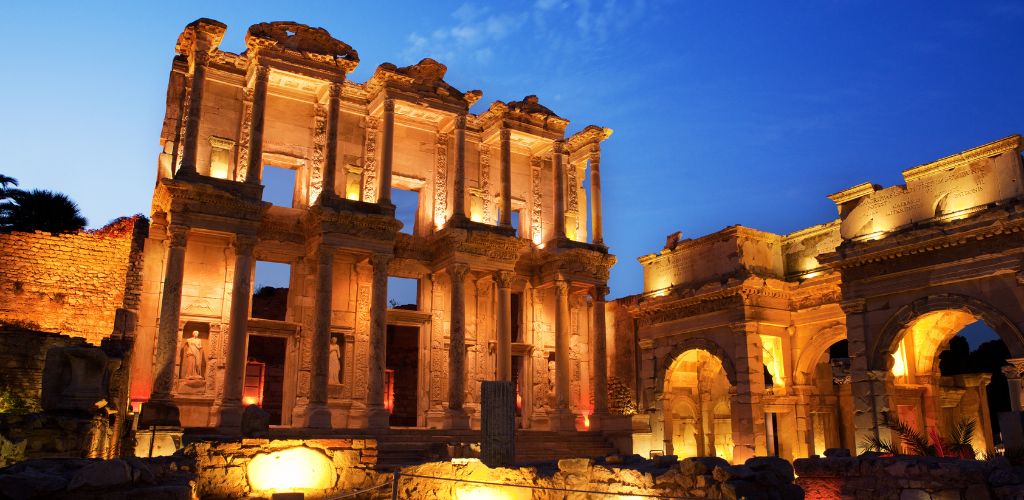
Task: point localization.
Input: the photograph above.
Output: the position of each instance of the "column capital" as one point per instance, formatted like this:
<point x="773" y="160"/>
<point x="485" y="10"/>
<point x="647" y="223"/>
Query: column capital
<point x="177" y="234"/>
<point x="600" y="292"/>
<point x="562" y="287"/>
<point x="261" y="72"/>
<point x="504" y="278"/>
<point x="244" y="243"/>
<point x="381" y="261"/>
<point x="743" y="327"/>
<point x="458" y="271"/>
<point x="558" y="147"/>
<point x="1015" y="369"/>
<point x="853" y="306"/>
<point x="460" y="121"/>
<point x="334" y="91"/>
<point x="325" y="253"/>
<point x="389" y="105"/>
<point x="505" y="134"/>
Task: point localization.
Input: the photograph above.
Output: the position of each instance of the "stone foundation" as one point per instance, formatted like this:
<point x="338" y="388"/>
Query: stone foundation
<point x="227" y="470"/>
<point x="169" y="478"/>
<point x="909" y="477"/>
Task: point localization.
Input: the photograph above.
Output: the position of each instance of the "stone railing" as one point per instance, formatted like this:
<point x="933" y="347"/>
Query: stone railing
<point x="908" y="477"/>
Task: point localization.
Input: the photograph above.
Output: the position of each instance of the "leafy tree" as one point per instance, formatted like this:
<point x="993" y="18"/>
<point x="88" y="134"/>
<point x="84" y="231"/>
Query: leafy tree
<point x="37" y="210"/>
<point x="957" y="443"/>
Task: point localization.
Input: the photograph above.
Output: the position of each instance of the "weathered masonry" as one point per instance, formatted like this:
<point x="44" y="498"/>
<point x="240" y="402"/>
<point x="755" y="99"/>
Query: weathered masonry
<point x="506" y="249"/>
<point x="746" y="342"/>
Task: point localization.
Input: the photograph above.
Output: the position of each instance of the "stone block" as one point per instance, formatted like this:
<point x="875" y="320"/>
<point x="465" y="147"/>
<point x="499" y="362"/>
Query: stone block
<point x="102" y="474"/>
<point x="498" y="423"/>
<point x="255" y="422"/>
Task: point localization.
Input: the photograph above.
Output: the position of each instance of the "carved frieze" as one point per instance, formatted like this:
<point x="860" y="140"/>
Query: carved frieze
<point x="480" y="243"/>
<point x="370" y="161"/>
<point x="485" y="180"/>
<point x="316" y="173"/>
<point x="537" y="200"/>
<point x="441" y="180"/>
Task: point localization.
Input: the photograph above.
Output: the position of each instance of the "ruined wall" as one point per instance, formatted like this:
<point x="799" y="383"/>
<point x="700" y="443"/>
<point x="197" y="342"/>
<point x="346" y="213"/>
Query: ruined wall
<point x="908" y="477"/>
<point x="22" y="357"/>
<point x="72" y="283"/>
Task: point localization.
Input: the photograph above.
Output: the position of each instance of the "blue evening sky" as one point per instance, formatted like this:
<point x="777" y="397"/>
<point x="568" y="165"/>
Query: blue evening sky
<point x="724" y="112"/>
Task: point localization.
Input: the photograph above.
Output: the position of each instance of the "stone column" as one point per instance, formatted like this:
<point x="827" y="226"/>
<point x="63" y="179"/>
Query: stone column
<point x="1013" y="380"/>
<point x="190" y="142"/>
<point x="563" y="419"/>
<point x="234" y="370"/>
<point x="261" y="76"/>
<point x="504" y="341"/>
<point x="331" y="155"/>
<point x="559" y="157"/>
<point x="595" y="195"/>
<point x="388" y="153"/>
<point x="160" y="410"/>
<point x="506" y="177"/>
<point x="378" y="416"/>
<point x="868" y="386"/>
<point x="456" y="417"/>
<point x="317" y="414"/>
<point x="460" y="168"/>
<point x="600" y="359"/>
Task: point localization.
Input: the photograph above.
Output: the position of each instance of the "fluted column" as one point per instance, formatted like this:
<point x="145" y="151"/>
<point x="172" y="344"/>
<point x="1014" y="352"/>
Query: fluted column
<point x="559" y="158"/>
<point x="506" y="177"/>
<point x="190" y="145"/>
<point x="387" y="155"/>
<point x="331" y="155"/>
<point x="456" y="416"/>
<point x="160" y="410"/>
<point x="599" y="351"/>
<point x="317" y="414"/>
<point x="595" y="195"/>
<point x="378" y="416"/>
<point x="563" y="415"/>
<point x="504" y="341"/>
<point x="261" y="77"/>
<point x="234" y="370"/>
<point x="460" y="168"/>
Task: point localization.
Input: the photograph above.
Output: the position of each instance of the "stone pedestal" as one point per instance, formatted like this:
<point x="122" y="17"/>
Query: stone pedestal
<point x="498" y="424"/>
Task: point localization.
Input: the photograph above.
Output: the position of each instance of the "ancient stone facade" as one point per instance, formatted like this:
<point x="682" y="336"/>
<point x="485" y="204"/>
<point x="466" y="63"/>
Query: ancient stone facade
<point x="735" y="347"/>
<point x="495" y="301"/>
<point x="73" y="284"/>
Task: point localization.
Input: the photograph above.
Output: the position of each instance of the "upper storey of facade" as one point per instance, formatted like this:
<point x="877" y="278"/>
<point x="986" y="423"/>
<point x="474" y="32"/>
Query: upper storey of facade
<point x="939" y="199"/>
<point x="286" y="102"/>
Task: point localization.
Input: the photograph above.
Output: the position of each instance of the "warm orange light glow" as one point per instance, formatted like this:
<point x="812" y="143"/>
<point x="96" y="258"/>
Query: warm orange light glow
<point x="389" y="390"/>
<point x="291" y="470"/>
<point x="899" y="367"/>
<point x="250" y="400"/>
<point x="586" y="421"/>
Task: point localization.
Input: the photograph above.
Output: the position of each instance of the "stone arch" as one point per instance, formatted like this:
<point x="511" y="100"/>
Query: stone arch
<point x="821" y="341"/>
<point x="885" y="344"/>
<point x="697" y="343"/>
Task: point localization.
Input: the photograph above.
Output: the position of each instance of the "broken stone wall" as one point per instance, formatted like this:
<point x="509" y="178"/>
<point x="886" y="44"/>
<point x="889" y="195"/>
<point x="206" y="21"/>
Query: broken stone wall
<point x="72" y="283"/>
<point x="908" y="477"/>
<point x="22" y="357"/>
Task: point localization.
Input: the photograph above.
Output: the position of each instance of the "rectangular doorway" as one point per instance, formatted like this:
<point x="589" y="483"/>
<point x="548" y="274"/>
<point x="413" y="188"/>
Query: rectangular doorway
<point x="402" y="361"/>
<point x="265" y="366"/>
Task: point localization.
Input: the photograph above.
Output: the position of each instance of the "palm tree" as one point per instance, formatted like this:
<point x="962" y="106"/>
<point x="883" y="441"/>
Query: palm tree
<point x="37" y="210"/>
<point x="914" y="442"/>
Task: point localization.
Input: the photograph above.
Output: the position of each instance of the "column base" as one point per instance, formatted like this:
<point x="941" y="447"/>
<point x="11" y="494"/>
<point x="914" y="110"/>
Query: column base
<point x="159" y="414"/>
<point x="456" y="419"/>
<point x="435" y="418"/>
<point x="563" y="420"/>
<point x="318" y="417"/>
<point x="378" y="418"/>
<point x="230" y="416"/>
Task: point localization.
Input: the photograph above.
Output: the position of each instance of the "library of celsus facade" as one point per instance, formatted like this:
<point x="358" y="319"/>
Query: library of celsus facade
<point x="506" y="249"/>
<point x="749" y="343"/>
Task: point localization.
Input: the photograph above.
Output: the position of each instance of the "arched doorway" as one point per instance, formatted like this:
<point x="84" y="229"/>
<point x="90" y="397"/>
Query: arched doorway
<point x="909" y="350"/>
<point x="696" y="401"/>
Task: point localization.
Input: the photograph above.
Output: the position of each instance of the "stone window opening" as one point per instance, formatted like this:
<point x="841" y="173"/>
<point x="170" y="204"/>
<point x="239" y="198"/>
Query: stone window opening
<point x="279" y="185"/>
<point x="403" y="293"/>
<point x="270" y="290"/>
<point x="221" y="155"/>
<point x="353" y="182"/>
<point x="407" y="203"/>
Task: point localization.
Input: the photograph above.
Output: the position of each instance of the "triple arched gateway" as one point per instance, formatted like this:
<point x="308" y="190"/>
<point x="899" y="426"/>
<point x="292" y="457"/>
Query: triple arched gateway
<point x="823" y="336"/>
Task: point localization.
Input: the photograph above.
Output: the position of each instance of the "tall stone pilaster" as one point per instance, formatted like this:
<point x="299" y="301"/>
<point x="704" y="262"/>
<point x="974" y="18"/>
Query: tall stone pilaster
<point x="595" y="195"/>
<point x="160" y="410"/>
<point x="506" y="176"/>
<point x="559" y="157"/>
<point x="331" y="156"/>
<point x="205" y="35"/>
<point x="388" y="152"/>
<point x="459" y="197"/>
<point x="456" y="417"/>
<point x="317" y="414"/>
<point x="260" y="78"/>
<point x="869" y="387"/>
<point x="378" y="416"/>
<point x="504" y="341"/>
<point x="234" y="370"/>
<point x="600" y="356"/>
<point x="563" y="419"/>
<point x="747" y="411"/>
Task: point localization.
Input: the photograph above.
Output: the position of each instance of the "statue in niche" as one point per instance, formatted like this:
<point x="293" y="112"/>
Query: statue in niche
<point x="193" y="360"/>
<point x="334" y="363"/>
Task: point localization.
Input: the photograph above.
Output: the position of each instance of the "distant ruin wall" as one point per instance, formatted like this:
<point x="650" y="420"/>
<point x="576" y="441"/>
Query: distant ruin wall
<point x="73" y="284"/>
<point x="22" y="357"/>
